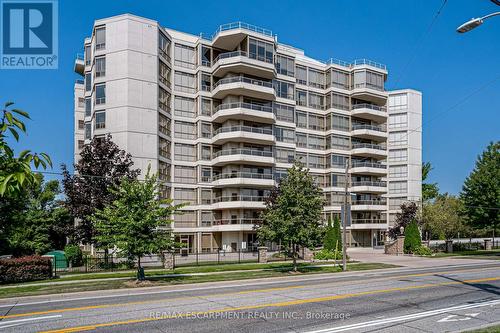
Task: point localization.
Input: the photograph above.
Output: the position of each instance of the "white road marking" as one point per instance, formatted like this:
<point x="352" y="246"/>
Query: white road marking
<point x="10" y="323"/>
<point x="249" y="284"/>
<point x="405" y="318"/>
<point x="453" y="317"/>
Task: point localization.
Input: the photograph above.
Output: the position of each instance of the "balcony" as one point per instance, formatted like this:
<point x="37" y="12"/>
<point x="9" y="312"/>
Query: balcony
<point x="369" y="150"/>
<point x="370" y="111"/>
<point x="369" y="187"/>
<point x="242" y="62"/>
<point x="368" y="168"/>
<point x="369" y="132"/>
<point x="242" y="156"/>
<point x="369" y="92"/>
<point x="243" y="179"/>
<point x="239" y="201"/>
<point x="243" y="134"/>
<point x="369" y="224"/>
<point x="240" y="85"/>
<point x="369" y="205"/>
<point x="244" y="111"/>
<point x="238" y="224"/>
<point x="79" y="64"/>
<point x="229" y="36"/>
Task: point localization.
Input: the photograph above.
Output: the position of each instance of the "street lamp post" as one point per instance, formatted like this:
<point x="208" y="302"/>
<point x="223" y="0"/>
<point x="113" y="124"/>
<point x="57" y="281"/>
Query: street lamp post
<point x="474" y="23"/>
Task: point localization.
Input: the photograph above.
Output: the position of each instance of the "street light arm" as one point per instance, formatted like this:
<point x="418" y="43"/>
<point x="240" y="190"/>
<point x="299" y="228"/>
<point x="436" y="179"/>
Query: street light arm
<point x="490" y="15"/>
<point x="474" y="23"/>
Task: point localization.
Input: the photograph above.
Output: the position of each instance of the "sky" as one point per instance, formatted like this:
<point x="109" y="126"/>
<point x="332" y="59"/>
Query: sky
<point x="458" y="74"/>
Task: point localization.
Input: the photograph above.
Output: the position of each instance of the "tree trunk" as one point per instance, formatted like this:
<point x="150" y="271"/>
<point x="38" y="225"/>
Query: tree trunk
<point x="140" y="270"/>
<point x="294" y="254"/>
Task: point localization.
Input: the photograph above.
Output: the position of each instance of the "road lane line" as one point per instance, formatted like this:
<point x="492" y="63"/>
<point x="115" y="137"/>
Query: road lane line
<point x="405" y="317"/>
<point x="266" y="305"/>
<point x="104" y="306"/>
<point x="263" y="281"/>
<point x="10" y="323"/>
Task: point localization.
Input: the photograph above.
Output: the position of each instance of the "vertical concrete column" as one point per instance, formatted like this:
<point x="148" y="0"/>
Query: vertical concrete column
<point x="400" y="245"/>
<point x="262" y="254"/>
<point x="168" y="262"/>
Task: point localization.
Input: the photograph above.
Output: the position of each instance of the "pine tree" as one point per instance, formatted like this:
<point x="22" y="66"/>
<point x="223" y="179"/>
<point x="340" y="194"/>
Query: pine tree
<point x="338" y="233"/>
<point x="330" y="237"/>
<point x="412" y="237"/>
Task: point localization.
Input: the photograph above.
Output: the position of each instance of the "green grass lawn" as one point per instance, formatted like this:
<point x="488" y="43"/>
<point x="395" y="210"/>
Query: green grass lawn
<point x="276" y="270"/>
<point x="477" y="254"/>
<point x="492" y="329"/>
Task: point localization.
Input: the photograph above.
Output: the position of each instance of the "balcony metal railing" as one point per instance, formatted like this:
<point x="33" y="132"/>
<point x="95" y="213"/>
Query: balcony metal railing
<point x="238" y="221"/>
<point x="249" y="106"/>
<point x="376" y="183"/>
<point x="232" y="198"/>
<point x="267" y="131"/>
<point x="369" y="221"/>
<point x="369" y="106"/>
<point x="357" y="62"/>
<point x="367" y="165"/>
<point x="79" y="56"/>
<point x="377" y="128"/>
<point x="243" y="151"/>
<point x="248" y="175"/>
<point x="79" y="82"/>
<point x="367" y="85"/>
<point x="244" y="80"/>
<point x="233" y="54"/>
<point x="373" y="202"/>
<point x="242" y="25"/>
<point x="368" y="145"/>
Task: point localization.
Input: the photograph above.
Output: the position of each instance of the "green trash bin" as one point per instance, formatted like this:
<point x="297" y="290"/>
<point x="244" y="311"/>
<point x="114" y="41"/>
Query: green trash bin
<point x="59" y="259"/>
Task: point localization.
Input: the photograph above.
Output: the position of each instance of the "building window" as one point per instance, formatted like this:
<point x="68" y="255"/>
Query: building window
<point x="339" y="101"/>
<point x="164" y="147"/>
<point x="316" y="161"/>
<point x="316" y="142"/>
<point x="80" y="144"/>
<point x="88" y="131"/>
<point x="301" y="98"/>
<point x="88" y="107"/>
<point x="206" y="153"/>
<point x="339" y="79"/>
<point x="398" y="120"/>
<point x="164" y="125"/>
<point x="398" y="138"/>
<point x="261" y="50"/>
<point x="100" y="120"/>
<point x="88" y="81"/>
<point x="338" y="161"/>
<point x="398" y="171"/>
<point x="316" y="101"/>
<point x="81" y="124"/>
<point x="398" y="102"/>
<point x="301" y="118"/>
<point x="398" y="155"/>
<point x="100" y="66"/>
<point x="285" y="155"/>
<point x="316" y="122"/>
<point x="206" y="106"/>
<point x="205" y="81"/>
<point x="184" y="107"/>
<point x="100" y="38"/>
<point x="301" y="74"/>
<point x="284" y="112"/>
<point x="316" y="79"/>
<point x="206" y="130"/>
<point x="185" y="174"/>
<point x="206" y="175"/>
<point x="81" y="102"/>
<point x="285" y="65"/>
<point x="100" y="94"/>
<point x="164" y="100"/>
<point x="284" y="134"/>
<point x="395" y="203"/>
<point x="301" y="140"/>
<point x="184" y="130"/>
<point x="164" y="73"/>
<point x="164" y="171"/>
<point x="184" y="152"/>
<point x="88" y="56"/>
<point x="284" y="89"/>
<point x="184" y="195"/>
<point x="164" y="46"/>
<point x="185" y="82"/>
<point x="339" y="142"/>
<point x="340" y="123"/>
<point x="185" y="56"/>
<point x="367" y="79"/>
<point x="398" y="187"/>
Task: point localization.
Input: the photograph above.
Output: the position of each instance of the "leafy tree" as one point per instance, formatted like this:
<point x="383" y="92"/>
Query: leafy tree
<point x="481" y="190"/>
<point x="136" y="222"/>
<point x="37" y="221"/>
<point x="429" y="191"/>
<point x="413" y="241"/>
<point x="333" y="236"/>
<point x="101" y="166"/>
<point x="293" y="212"/>
<point x="74" y="255"/>
<point x="442" y="216"/>
<point x="15" y="172"/>
<point x="409" y="212"/>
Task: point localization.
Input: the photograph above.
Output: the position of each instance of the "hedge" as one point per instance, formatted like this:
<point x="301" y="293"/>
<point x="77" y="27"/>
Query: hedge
<point x="25" y="269"/>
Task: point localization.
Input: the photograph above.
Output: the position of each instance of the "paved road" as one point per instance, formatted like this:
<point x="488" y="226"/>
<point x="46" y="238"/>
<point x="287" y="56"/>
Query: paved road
<point x="435" y="299"/>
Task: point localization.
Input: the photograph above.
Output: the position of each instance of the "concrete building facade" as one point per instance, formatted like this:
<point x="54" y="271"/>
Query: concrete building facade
<point x="222" y="118"/>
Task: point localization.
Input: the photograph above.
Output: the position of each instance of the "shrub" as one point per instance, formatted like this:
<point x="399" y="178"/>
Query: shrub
<point x="25" y="269"/>
<point x="423" y="251"/>
<point x="74" y="255"/>
<point x="326" y="254"/>
<point x="333" y="236"/>
<point x="412" y="237"/>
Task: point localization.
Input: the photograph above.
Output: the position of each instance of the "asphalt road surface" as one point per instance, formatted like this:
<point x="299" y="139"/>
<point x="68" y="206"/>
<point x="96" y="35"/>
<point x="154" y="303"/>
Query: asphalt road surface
<point x="437" y="299"/>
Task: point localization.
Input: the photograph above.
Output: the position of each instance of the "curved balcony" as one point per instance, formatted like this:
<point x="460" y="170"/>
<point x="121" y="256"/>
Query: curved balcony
<point x="239" y="224"/>
<point x="368" y="168"/>
<point x="369" y="150"/>
<point x="228" y="36"/>
<point x="369" y="224"/>
<point x="243" y="179"/>
<point x="369" y="92"/>
<point x="242" y="62"/>
<point x="239" y="201"/>
<point x="79" y="64"/>
<point x="370" y="111"/>
<point x="374" y="204"/>
<point x="240" y="85"/>
<point x="243" y="155"/>
<point x="370" y="132"/>
<point x="244" y="111"/>
<point x="243" y="134"/>
<point x="369" y="187"/>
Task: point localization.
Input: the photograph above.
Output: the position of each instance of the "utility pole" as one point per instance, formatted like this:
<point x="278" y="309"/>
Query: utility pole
<point x="344" y="225"/>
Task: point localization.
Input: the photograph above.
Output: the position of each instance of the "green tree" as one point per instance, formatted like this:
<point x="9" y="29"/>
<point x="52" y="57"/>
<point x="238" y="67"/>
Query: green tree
<point x="15" y="171"/>
<point x="442" y="216"/>
<point x="292" y="215"/>
<point x="409" y="213"/>
<point x="333" y="235"/>
<point x="413" y="241"/>
<point x="136" y="223"/>
<point x="429" y="190"/>
<point x="481" y="190"/>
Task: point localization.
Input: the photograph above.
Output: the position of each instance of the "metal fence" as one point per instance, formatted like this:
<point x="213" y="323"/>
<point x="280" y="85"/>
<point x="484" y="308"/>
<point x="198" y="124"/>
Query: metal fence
<point x="472" y="245"/>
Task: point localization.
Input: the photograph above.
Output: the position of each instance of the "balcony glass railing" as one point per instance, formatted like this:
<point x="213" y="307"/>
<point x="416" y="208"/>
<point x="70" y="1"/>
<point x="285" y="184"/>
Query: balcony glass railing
<point x="244" y="80"/>
<point x="243" y="151"/>
<point x="368" y="145"/>
<point x="246" y="221"/>
<point x="369" y="221"/>
<point x="249" y="106"/>
<point x="249" y="129"/>
<point x="367" y="165"/>
<point x="368" y="86"/>
<point x="377" y="183"/>
<point x="233" y="54"/>
<point x="373" y="202"/>
<point x="369" y="106"/>
<point x="250" y="198"/>
<point x="248" y="175"/>
<point x="242" y="25"/>
<point x="377" y="128"/>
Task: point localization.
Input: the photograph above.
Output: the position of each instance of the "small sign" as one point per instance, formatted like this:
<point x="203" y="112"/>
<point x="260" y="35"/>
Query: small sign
<point x="342" y="215"/>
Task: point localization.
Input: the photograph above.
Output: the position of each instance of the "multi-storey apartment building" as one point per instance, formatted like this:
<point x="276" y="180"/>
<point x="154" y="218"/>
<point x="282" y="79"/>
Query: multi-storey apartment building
<point x="222" y="118"/>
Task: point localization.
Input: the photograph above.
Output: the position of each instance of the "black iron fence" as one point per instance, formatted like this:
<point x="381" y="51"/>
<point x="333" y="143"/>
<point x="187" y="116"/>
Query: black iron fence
<point x="472" y="245"/>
